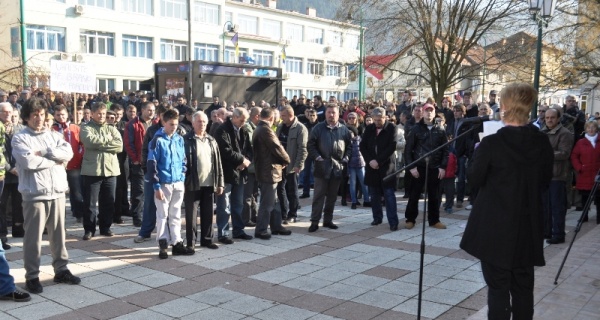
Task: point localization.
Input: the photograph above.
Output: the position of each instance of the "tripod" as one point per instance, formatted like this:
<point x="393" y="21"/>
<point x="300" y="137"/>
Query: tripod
<point x="585" y="211"/>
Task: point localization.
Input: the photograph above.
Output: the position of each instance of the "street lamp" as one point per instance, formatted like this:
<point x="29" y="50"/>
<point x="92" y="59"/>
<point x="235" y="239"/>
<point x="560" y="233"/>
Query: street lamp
<point x="541" y="10"/>
<point x="227" y="27"/>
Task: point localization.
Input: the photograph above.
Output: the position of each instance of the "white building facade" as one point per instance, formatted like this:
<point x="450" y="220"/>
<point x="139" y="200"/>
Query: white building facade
<point x="124" y="38"/>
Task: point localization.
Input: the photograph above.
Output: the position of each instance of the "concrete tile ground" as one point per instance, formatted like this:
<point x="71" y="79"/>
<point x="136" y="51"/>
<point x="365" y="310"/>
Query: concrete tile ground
<point x="356" y="272"/>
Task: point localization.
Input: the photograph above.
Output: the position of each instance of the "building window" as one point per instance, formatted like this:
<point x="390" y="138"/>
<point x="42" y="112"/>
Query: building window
<point x="314" y="67"/>
<point x="334" y="38"/>
<point x="263" y="58"/>
<point x="45" y="38"/>
<point x="137" y="6"/>
<point x="206" y="13"/>
<point x="171" y="50"/>
<point x="350" y="95"/>
<point x="97" y="42"/>
<point x="351" y="41"/>
<point x="294" y="32"/>
<point x="290" y="93"/>
<point x="206" y="52"/>
<point x="293" y="65"/>
<point x="228" y="17"/>
<point x="108" y="4"/>
<point x="137" y="47"/>
<point x="105" y="85"/>
<point x="311" y="93"/>
<point x="173" y="9"/>
<point x="271" y="29"/>
<point x="230" y="54"/>
<point x="334" y="69"/>
<point x="328" y="94"/>
<point x="131" y="85"/>
<point x="248" y="24"/>
<point x="314" y="35"/>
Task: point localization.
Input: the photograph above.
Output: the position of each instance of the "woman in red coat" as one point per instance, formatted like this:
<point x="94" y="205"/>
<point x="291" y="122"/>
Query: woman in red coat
<point x="586" y="161"/>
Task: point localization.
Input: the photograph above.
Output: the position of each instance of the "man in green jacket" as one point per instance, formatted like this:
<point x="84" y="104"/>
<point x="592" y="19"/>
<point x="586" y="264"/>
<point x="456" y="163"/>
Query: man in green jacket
<point x="99" y="171"/>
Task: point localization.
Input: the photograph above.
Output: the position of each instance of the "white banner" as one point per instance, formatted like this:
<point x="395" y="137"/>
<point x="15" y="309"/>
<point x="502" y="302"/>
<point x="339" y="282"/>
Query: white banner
<point x="76" y="77"/>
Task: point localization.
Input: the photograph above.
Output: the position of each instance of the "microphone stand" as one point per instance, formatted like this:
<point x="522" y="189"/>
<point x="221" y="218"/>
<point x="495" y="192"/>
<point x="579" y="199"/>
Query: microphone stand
<point x="427" y="157"/>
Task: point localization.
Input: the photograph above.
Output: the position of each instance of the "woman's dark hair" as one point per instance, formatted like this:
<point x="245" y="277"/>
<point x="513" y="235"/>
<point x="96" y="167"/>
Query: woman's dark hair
<point x="33" y="105"/>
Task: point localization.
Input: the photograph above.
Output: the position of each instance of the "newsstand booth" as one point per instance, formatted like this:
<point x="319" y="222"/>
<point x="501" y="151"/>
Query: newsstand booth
<point x="230" y="82"/>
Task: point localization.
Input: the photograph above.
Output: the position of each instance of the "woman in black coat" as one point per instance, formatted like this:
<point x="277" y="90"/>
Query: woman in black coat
<point x="505" y="229"/>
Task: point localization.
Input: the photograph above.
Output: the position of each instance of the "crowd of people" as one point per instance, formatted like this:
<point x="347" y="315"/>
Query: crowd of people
<point x="255" y="161"/>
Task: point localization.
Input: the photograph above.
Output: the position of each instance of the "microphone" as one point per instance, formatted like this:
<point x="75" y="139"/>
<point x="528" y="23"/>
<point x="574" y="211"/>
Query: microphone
<point x="477" y="120"/>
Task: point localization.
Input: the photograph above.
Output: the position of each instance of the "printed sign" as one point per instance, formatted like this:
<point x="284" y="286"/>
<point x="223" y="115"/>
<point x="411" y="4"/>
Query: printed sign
<point x="68" y="76"/>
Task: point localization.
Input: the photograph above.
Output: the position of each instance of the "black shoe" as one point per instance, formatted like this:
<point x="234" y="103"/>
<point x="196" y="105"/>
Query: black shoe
<point x="5" y="244"/>
<point x="367" y="204"/>
<point x="162" y="252"/>
<point x="34" y="285"/>
<point x="313" y="227"/>
<point x="118" y="221"/>
<point x="330" y="225"/>
<point x="107" y="233"/>
<point x="16" y="296"/>
<point x="555" y="241"/>
<point x="189" y="250"/>
<point x="264" y="236"/>
<point x="243" y="236"/>
<point x="87" y="235"/>
<point x="405" y="196"/>
<point x="284" y="221"/>
<point x="375" y="222"/>
<point x="344" y="202"/>
<point x="137" y="223"/>
<point x="353" y="206"/>
<point x="281" y="232"/>
<point x="304" y="196"/>
<point x="250" y="224"/>
<point x="547" y="236"/>
<point x="66" y="276"/>
<point x="394" y="227"/>
<point x="225" y="240"/>
<point x="210" y="246"/>
<point x="179" y="250"/>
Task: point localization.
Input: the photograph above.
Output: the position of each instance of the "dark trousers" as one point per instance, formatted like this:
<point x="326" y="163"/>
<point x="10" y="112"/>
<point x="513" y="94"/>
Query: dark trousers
<point x="76" y="192"/>
<point x="136" y="177"/>
<point x="282" y="196"/>
<point x="121" y="201"/>
<point x="10" y="192"/>
<point x="193" y="200"/>
<point x="408" y="182"/>
<point x="506" y="286"/>
<point x="98" y="202"/>
<point x="391" y="208"/>
<point x="324" y="197"/>
<point x="250" y="194"/>
<point x="433" y="196"/>
<point x="267" y="212"/>
<point x="291" y="191"/>
<point x="448" y="188"/>
<point x="307" y="177"/>
<point x="555" y="209"/>
<point x="461" y="178"/>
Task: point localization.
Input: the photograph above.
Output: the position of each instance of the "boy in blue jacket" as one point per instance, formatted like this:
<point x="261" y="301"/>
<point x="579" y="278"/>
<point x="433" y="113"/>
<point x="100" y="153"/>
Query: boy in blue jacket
<point x="166" y="171"/>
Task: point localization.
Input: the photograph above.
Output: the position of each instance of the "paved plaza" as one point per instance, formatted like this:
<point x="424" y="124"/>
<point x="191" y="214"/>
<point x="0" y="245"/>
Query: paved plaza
<point x="356" y="272"/>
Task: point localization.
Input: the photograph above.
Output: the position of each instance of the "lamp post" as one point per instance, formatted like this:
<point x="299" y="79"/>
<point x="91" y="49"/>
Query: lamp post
<point x="541" y="10"/>
<point x="225" y="30"/>
<point x="484" y="65"/>
<point x="361" y="70"/>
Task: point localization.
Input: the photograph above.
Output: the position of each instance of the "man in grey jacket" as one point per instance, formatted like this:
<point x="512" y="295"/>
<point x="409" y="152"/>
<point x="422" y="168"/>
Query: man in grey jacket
<point x="329" y="146"/>
<point x="41" y="156"/>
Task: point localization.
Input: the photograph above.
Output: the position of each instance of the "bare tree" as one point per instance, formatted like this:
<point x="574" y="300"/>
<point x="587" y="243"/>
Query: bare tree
<point x="443" y="33"/>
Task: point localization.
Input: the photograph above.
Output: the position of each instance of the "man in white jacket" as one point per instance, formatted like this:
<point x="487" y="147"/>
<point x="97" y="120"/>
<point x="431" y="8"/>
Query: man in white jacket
<point x="41" y="156"/>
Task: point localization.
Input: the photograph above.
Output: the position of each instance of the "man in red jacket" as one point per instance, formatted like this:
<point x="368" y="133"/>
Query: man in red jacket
<point x="133" y="138"/>
<point x="70" y="132"/>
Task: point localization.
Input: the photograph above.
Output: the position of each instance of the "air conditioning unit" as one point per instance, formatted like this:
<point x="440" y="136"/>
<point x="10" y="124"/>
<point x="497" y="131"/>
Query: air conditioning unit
<point x="78" y="9"/>
<point x="317" y="77"/>
<point x="78" y="58"/>
<point x="286" y="75"/>
<point x="64" y="56"/>
<point x="343" y="80"/>
<point x="327" y="49"/>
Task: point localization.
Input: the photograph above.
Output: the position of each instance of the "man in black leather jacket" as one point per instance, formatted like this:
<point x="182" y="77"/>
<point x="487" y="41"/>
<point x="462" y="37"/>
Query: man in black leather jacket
<point x="424" y="137"/>
<point x="329" y="147"/>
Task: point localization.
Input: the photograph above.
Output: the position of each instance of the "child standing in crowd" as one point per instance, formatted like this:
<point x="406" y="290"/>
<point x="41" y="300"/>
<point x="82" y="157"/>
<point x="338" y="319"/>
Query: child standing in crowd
<point x="166" y="172"/>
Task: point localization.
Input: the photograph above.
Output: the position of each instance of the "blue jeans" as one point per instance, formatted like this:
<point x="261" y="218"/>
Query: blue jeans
<point x="149" y="212"/>
<point x="100" y="190"/>
<point x="307" y="176"/>
<point x="461" y="177"/>
<point x="391" y="209"/>
<point x="555" y="209"/>
<point x="231" y="203"/>
<point x="360" y="174"/>
<point x="75" y="192"/>
<point x="7" y="282"/>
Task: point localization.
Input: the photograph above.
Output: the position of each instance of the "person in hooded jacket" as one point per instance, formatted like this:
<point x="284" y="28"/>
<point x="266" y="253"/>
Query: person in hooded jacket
<point x="512" y="169"/>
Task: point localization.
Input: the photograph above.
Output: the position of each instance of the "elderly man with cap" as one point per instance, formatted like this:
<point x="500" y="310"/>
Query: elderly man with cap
<point x="424" y="137"/>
